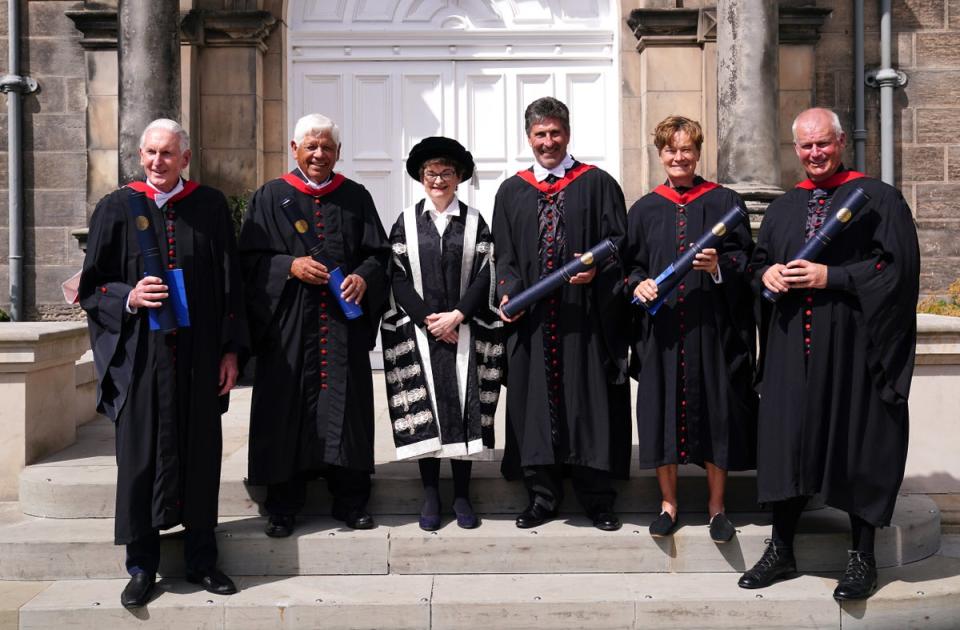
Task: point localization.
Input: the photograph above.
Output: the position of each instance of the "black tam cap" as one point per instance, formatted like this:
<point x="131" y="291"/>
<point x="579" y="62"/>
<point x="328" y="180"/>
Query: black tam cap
<point x="439" y="147"/>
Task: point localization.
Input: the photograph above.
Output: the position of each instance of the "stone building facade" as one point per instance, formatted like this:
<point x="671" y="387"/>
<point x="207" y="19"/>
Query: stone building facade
<point x="236" y="60"/>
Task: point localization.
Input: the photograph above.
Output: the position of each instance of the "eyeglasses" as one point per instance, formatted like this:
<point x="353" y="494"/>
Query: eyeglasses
<point x="445" y="175"/>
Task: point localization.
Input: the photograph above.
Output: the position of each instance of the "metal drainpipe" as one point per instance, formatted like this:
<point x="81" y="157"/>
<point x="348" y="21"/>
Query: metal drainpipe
<point x="14" y="86"/>
<point x="859" y="120"/>
<point x="887" y="78"/>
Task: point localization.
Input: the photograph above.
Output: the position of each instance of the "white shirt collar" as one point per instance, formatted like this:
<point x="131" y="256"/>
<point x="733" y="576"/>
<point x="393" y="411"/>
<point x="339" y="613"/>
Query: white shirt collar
<point x="559" y="170"/>
<point x="313" y="184"/>
<point x="161" y="198"/>
<point x="441" y="219"/>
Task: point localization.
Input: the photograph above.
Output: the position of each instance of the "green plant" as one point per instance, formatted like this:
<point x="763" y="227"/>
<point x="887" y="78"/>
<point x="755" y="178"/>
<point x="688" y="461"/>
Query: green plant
<point x="943" y="306"/>
<point x="4" y="316"/>
<point x="238" y="210"/>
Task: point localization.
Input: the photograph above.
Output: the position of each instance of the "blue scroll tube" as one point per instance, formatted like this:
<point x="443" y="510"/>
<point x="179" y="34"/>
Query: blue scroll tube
<point x="549" y="283"/>
<point x="164" y="318"/>
<point x="676" y="271"/>
<point x="838" y="220"/>
<point x="314" y="247"/>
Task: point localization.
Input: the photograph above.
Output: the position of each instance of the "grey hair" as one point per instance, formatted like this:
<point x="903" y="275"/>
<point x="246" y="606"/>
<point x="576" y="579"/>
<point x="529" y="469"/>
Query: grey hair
<point x="543" y="108"/>
<point x="834" y="121"/>
<point x="315" y="124"/>
<point x="168" y="125"/>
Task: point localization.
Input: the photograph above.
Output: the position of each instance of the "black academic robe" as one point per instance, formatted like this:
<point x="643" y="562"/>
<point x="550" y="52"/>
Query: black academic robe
<point x="694" y="359"/>
<point x="836" y="363"/>
<point x="442" y="397"/>
<point x="160" y="389"/>
<point x="313" y="391"/>
<point x="574" y="409"/>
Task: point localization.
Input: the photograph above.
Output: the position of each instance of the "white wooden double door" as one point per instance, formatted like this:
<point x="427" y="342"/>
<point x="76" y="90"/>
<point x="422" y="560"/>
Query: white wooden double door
<point x="385" y="107"/>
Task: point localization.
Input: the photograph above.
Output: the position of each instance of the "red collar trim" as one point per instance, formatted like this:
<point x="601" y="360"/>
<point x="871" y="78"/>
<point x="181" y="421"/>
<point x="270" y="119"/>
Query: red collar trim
<point x="560" y="184"/>
<point x="681" y="200"/>
<point x="188" y="187"/>
<point x="302" y="186"/>
<point x="834" y="181"/>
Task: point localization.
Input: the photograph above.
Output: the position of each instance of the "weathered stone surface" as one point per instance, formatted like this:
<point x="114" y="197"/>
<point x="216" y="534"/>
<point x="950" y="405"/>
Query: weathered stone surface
<point x="13" y="595"/>
<point x="52" y="56"/>
<point x="796" y="67"/>
<point x="936" y="126"/>
<point x="907" y="121"/>
<point x="634" y="134"/>
<point x="55" y="170"/>
<point x="274" y="165"/>
<point x="102" y="123"/>
<point x="630" y="63"/>
<point x="939" y="238"/>
<point x="51" y="98"/>
<point x="46" y="245"/>
<point x="953" y="163"/>
<point x="47" y="19"/>
<point x="917" y="14"/>
<point x="101" y="174"/>
<point x="233" y="171"/>
<point x="274" y="74"/>
<point x="791" y="103"/>
<point x="228" y="71"/>
<point x="228" y="122"/>
<point x="938" y="50"/>
<point x="937" y="200"/>
<point x="76" y="94"/>
<point x="684" y="64"/>
<point x="937" y="274"/>
<point x="954" y="9"/>
<point x="923" y="163"/>
<point x="42" y="283"/>
<point x="934" y="87"/>
<point x="54" y="132"/>
<point x="102" y="72"/>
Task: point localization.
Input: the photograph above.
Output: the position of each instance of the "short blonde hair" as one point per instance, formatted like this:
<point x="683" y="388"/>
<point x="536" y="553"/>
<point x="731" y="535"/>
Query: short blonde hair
<point x="663" y="134"/>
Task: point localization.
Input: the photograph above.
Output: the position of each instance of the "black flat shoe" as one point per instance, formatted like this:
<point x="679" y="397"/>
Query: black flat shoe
<point x="466" y="517"/>
<point x="721" y="529"/>
<point x="606" y="520"/>
<point x="279" y="526"/>
<point x="663" y="525"/>
<point x="859" y="581"/>
<point x="773" y="565"/>
<point x="534" y="516"/>
<point x="213" y="581"/>
<point x="136" y="593"/>
<point x="357" y="518"/>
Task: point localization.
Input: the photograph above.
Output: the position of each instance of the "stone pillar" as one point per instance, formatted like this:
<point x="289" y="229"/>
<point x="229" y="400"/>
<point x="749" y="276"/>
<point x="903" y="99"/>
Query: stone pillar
<point x="747" y="98"/>
<point x="149" y="73"/>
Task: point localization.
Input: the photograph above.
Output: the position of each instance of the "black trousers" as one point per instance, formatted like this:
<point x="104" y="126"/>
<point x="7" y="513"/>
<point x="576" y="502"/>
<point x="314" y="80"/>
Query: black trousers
<point x="350" y="490"/>
<point x="199" y="552"/>
<point x="592" y="487"/>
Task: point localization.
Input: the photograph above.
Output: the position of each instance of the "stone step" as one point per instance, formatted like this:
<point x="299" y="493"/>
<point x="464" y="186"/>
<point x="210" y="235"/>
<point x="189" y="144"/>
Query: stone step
<point x="83" y="490"/>
<point x="56" y="549"/>
<point x="923" y="594"/>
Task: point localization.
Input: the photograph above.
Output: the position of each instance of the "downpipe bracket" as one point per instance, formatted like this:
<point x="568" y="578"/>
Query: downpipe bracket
<point x="16" y="83"/>
<point x="884" y="77"/>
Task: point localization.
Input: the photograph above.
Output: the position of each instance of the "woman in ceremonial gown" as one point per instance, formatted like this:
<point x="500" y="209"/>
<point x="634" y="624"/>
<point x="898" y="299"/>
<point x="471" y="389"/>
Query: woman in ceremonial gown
<point x="694" y="359"/>
<point x="441" y="341"/>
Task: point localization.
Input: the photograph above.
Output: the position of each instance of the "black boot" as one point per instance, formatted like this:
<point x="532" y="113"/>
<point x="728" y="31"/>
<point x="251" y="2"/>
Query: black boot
<point x="859" y="581"/>
<point x="773" y="565"/>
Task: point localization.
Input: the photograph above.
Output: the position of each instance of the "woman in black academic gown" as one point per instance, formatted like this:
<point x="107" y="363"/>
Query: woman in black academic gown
<point x="693" y="359"/>
<point x="442" y="348"/>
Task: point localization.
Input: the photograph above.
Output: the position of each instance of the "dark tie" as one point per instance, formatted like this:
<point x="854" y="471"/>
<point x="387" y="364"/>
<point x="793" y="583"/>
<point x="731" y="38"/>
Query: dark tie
<point x="551" y="178"/>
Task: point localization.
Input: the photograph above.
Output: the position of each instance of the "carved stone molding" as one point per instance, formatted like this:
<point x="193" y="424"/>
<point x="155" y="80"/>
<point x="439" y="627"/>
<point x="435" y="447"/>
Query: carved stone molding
<point x="197" y="27"/>
<point x="679" y="27"/>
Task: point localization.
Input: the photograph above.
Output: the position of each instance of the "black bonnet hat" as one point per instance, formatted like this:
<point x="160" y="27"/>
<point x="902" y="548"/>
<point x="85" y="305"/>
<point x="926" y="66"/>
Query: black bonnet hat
<point x="439" y="147"/>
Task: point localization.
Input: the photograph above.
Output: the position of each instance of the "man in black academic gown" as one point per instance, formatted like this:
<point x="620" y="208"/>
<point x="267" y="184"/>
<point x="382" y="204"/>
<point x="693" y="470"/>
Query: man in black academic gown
<point x="165" y="391"/>
<point x="312" y="409"/>
<point x="837" y="355"/>
<point x="567" y="398"/>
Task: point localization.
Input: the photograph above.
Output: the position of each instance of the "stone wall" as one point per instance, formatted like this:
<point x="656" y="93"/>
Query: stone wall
<point x="927" y="48"/>
<point x="55" y="160"/>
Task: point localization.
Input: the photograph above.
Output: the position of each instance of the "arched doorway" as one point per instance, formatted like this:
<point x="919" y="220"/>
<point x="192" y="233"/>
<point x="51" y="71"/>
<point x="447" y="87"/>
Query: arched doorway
<point x="394" y="71"/>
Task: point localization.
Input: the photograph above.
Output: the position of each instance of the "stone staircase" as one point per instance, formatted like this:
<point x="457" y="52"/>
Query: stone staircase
<point x="59" y="567"/>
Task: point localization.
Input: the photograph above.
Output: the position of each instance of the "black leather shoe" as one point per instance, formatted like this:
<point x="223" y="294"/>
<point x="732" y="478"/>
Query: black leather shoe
<point x="534" y="516"/>
<point x="721" y="529"/>
<point x="663" y="525"/>
<point x="279" y="525"/>
<point x="607" y="520"/>
<point x="213" y="581"/>
<point x="357" y="518"/>
<point x="773" y="565"/>
<point x="136" y="593"/>
<point x="859" y="581"/>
